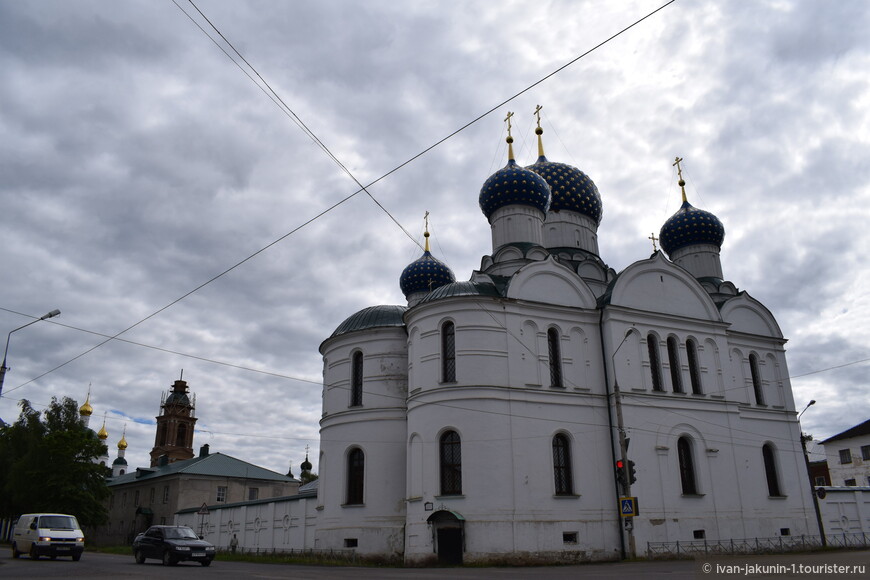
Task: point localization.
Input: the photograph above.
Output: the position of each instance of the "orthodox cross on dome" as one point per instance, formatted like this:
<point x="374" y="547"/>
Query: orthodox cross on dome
<point x="510" y="140"/>
<point x="681" y="182"/>
<point x="426" y="229"/>
<point x="539" y="131"/>
<point x="654" y="240"/>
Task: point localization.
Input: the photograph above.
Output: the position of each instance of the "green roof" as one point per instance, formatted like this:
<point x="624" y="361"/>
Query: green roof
<point x="214" y="464"/>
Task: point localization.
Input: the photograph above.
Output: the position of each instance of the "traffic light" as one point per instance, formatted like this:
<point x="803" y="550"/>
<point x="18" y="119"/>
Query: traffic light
<point x="632" y="474"/>
<point x="620" y="473"/>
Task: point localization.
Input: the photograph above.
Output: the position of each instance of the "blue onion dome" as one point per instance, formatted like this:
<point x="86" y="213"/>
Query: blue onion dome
<point x="513" y="185"/>
<point x="691" y="226"/>
<point x="425" y="274"/>
<point x="570" y="188"/>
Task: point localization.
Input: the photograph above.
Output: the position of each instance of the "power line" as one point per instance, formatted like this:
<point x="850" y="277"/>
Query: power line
<point x="340" y="202"/>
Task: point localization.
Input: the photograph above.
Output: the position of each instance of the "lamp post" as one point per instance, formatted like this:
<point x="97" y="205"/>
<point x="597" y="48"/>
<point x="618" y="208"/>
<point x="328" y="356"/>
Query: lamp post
<point x="623" y="447"/>
<point x="3" y="367"/>
<point x="804" y="439"/>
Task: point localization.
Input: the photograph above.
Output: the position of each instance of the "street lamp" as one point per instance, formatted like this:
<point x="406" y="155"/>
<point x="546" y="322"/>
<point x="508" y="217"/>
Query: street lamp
<point x="623" y="446"/>
<point x="804" y="439"/>
<point x="3" y="367"/>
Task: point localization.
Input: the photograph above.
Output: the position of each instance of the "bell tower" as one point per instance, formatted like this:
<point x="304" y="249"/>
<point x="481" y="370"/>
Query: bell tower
<point x="175" y="425"/>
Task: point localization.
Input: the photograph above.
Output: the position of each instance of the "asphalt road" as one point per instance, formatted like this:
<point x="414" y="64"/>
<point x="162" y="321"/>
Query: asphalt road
<point x="807" y="566"/>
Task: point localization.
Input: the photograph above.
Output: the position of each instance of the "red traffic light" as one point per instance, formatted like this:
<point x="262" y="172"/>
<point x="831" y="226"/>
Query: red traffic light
<point x="619" y="464"/>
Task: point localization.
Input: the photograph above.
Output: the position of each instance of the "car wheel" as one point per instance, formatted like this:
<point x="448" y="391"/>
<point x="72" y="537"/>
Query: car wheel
<point x="140" y="558"/>
<point x="168" y="560"/>
<point x="34" y="555"/>
<point x="76" y="557"/>
<point x="15" y="552"/>
<point x="206" y="562"/>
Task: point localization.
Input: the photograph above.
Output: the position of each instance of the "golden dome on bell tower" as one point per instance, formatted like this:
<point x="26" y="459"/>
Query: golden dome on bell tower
<point x="102" y="433"/>
<point x="86" y="410"/>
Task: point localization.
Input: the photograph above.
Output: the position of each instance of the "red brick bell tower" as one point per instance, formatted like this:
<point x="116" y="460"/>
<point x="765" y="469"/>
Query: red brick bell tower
<point x="175" y="425"/>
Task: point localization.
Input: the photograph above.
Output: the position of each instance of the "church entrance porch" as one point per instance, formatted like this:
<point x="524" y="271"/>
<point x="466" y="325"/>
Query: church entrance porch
<point x="448" y="531"/>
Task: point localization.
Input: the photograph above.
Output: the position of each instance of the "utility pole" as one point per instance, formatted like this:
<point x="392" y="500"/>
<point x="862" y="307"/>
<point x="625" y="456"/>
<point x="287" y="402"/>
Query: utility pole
<point x="623" y="452"/>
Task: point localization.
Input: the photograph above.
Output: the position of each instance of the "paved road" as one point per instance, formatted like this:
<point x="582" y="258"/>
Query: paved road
<point x="94" y="565"/>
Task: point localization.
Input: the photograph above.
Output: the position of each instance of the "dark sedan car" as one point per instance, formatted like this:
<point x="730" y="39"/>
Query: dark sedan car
<point x="172" y="544"/>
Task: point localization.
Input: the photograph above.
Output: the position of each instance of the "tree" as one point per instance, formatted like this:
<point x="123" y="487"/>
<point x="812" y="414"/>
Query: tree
<point x="49" y="464"/>
<point x="307" y="477"/>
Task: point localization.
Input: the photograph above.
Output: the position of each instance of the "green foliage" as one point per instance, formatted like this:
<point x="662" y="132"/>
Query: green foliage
<point x="49" y="464"/>
<point x="307" y="477"/>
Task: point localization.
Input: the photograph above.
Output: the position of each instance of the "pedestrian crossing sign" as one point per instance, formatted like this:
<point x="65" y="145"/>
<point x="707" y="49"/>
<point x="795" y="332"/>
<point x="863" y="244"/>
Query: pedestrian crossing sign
<point x="628" y="507"/>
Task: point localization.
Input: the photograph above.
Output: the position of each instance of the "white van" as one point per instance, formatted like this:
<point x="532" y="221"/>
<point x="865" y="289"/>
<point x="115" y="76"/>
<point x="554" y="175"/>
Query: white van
<point x="48" y="535"/>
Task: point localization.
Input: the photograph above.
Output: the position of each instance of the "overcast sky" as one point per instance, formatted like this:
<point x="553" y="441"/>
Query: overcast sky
<point x="137" y="162"/>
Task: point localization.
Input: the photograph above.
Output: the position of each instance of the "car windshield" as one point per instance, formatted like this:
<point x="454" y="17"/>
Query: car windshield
<point x="58" y="522"/>
<point x="180" y="534"/>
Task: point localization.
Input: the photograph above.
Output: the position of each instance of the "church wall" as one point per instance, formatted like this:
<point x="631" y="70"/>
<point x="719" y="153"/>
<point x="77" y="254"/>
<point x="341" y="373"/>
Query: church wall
<point x="385" y="369"/>
<point x="508" y="495"/>
<point x="281" y="525"/>
<point x="378" y="429"/>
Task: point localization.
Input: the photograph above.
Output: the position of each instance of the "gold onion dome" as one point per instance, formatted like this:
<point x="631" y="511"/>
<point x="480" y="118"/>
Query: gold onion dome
<point x="122" y="444"/>
<point x="86" y="410"/>
<point x="102" y="433"/>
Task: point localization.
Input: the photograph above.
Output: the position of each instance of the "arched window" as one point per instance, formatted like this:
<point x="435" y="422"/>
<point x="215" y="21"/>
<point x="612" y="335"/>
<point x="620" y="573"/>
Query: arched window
<point x="448" y="352"/>
<point x="356" y="463"/>
<point x="770" y="470"/>
<point x="451" y="464"/>
<point x="356" y="379"/>
<point x="694" y="369"/>
<point x="555" y="354"/>
<point x="674" y="363"/>
<point x="655" y="365"/>
<point x="756" y="379"/>
<point x="181" y="435"/>
<point x="687" y="466"/>
<point x="562" y="465"/>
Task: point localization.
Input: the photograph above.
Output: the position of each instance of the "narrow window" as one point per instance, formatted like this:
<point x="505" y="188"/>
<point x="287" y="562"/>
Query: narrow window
<point x="356" y="379"/>
<point x="865" y="452"/>
<point x="151" y="496"/>
<point x="356" y="463"/>
<point x="655" y="365"/>
<point x="451" y="464"/>
<point x="687" y="466"/>
<point x="756" y="379"/>
<point x="674" y="363"/>
<point x="448" y="352"/>
<point x="253" y="493"/>
<point x="770" y="471"/>
<point x="165" y="494"/>
<point x="181" y="437"/>
<point x="562" y="465"/>
<point x="221" y="494"/>
<point x="555" y="357"/>
<point x="694" y="368"/>
<point x="845" y="456"/>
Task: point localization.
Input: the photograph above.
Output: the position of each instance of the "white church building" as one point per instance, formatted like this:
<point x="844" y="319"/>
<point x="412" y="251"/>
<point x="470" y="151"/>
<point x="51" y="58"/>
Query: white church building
<point x="479" y="420"/>
<point x="482" y="420"/>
